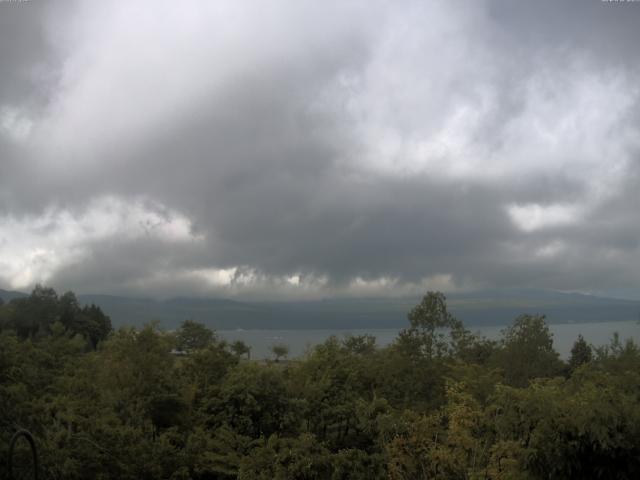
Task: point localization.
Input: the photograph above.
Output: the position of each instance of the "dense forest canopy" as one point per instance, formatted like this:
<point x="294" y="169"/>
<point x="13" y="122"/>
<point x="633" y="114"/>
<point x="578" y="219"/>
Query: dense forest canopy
<point x="439" y="403"/>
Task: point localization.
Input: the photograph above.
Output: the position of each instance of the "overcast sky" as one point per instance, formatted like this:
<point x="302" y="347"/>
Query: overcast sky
<point x="300" y="149"/>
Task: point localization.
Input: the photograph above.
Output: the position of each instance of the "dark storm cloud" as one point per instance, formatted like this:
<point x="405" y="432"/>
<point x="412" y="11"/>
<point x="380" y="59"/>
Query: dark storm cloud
<point x="24" y="51"/>
<point x="314" y="149"/>
<point x="605" y="30"/>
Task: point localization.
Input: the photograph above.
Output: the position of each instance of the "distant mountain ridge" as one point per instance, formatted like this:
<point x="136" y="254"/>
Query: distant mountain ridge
<point x="8" y="295"/>
<point x="480" y="308"/>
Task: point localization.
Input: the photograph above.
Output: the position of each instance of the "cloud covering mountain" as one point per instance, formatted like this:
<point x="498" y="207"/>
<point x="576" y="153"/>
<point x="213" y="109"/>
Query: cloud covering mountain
<point x="302" y="149"/>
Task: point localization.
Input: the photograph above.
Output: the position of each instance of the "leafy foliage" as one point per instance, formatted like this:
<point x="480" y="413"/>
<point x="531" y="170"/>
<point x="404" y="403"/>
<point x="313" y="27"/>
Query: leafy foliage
<point x="438" y="403"/>
<point x="581" y="353"/>
<point x="527" y="351"/>
<point x="193" y="336"/>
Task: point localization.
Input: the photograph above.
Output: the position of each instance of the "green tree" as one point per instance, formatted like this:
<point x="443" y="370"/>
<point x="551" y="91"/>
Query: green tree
<point x="137" y="374"/>
<point x="93" y="325"/>
<point x="445" y="444"/>
<point x="356" y="464"/>
<point x="254" y="401"/>
<point x="302" y="458"/>
<point x="279" y="351"/>
<point x="204" y="369"/>
<point x="193" y="336"/>
<point x="70" y="311"/>
<point x="360" y="344"/>
<point x="527" y="351"/>
<point x="35" y="314"/>
<point x="336" y="386"/>
<point x="580" y="353"/>
<point x="6" y="317"/>
<point x="240" y="348"/>
<point x="430" y="323"/>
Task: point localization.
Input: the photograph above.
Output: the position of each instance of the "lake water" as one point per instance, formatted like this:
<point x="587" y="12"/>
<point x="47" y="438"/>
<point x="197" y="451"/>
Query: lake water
<point x="299" y="341"/>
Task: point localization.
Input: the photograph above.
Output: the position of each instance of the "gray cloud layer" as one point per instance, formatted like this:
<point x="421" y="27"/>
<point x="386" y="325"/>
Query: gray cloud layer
<point x="305" y="148"/>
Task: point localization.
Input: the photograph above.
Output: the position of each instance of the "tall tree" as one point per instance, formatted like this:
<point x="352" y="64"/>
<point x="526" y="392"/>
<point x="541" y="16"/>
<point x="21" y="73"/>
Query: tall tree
<point x="95" y="325"/>
<point x="527" y="351"/>
<point x="580" y="353"/>
<point x="35" y="314"/>
<point x="433" y="331"/>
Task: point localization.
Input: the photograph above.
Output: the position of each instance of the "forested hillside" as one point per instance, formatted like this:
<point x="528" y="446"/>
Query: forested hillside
<point x="439" y="403"/>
